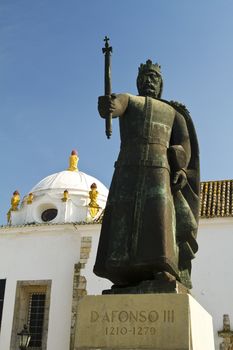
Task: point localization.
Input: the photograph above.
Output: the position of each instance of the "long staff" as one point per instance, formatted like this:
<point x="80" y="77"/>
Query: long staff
<point x="107" y="50"/>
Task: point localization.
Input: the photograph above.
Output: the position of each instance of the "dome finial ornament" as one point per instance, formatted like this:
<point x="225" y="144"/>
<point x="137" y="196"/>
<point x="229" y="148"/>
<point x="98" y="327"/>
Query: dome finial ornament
<point x="30" y="198"/>
<point x="65" y="196"/>
<point x="93" y="205"/>
<point x="15" y="199"/>
<point x="73" y="161"/>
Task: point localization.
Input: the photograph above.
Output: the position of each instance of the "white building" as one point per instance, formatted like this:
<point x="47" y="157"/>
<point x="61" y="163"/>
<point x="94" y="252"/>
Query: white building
<point x="212" y="274"/>
<point x="46" y="256"/>
<point x="48" y="252"/>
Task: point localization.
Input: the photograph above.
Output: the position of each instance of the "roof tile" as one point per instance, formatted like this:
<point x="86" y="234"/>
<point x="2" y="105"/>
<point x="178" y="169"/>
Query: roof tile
<point x="216" y="199"/>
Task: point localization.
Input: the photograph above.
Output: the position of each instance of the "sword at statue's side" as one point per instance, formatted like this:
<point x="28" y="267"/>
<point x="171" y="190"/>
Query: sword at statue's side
<point x="107" y="50"/>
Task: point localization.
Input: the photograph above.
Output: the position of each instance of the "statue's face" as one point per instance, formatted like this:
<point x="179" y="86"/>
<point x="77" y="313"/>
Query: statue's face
<point x="149" y="84"/>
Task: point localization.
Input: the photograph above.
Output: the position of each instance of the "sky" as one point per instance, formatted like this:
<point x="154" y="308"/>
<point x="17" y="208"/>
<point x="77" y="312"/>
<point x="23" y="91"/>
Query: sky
<point x="52" y="72"/>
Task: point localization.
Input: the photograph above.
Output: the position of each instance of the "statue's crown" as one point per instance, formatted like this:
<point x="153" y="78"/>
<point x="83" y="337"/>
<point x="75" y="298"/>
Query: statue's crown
<point x="149" y="66"/>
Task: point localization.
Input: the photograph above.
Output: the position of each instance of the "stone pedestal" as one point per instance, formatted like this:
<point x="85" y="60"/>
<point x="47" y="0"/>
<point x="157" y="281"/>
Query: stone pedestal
<point x="146" y="321"/>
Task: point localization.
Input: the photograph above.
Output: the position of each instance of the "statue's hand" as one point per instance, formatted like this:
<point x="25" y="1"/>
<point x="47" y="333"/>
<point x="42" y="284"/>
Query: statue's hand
<point x="179" y="180"/>
<point x="106" y="105"/>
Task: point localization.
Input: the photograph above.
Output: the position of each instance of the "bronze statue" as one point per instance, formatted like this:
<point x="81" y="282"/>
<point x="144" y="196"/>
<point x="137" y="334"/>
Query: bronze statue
<point x="151" y="217"/>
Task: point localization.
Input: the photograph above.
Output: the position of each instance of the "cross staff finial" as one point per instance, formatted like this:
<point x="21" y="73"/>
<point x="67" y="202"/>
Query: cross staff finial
<point x="107" y="48"/>
<point x="106" y="39"/>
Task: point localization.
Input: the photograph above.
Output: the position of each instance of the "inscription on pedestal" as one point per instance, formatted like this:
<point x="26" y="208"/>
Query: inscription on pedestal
<point x="133" y="321"/>
<point x="145" y="320"/>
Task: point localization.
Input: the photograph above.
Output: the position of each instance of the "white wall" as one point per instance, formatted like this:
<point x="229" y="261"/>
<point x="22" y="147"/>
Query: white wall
<point x="212" y="273"/>
<point x="49" y="252"/>
<point x="46" y="252"/>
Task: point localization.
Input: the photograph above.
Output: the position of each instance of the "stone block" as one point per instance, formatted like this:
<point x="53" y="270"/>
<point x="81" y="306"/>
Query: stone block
<point x="146" y="321"/>
<point x="86" y="244"/>
<point x="86" y="239"/>
<point x="84" y="255"/>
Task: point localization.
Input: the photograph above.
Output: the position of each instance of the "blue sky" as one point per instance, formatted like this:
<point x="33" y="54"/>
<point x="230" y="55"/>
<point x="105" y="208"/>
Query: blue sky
<point x="51" y="73"/>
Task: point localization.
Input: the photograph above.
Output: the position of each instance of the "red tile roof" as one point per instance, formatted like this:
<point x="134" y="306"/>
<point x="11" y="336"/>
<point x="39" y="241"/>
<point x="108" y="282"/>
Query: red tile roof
<point x="216" y="199"/>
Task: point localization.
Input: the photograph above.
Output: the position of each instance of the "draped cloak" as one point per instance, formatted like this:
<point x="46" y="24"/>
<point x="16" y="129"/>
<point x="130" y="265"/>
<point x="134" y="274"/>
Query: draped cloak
<point x="147" y="227"/>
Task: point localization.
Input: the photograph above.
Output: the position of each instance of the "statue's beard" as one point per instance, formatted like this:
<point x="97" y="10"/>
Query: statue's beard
<point x="149" y="91"/>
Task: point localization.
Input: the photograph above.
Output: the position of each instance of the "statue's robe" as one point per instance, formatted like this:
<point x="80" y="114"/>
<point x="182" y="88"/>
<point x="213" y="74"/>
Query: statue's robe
<point x="140" y="234"/>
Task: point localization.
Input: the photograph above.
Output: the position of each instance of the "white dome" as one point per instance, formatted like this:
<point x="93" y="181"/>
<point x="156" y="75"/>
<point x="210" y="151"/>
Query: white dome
<point x="48" y="204"/>
<point x="73" y="181"/>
